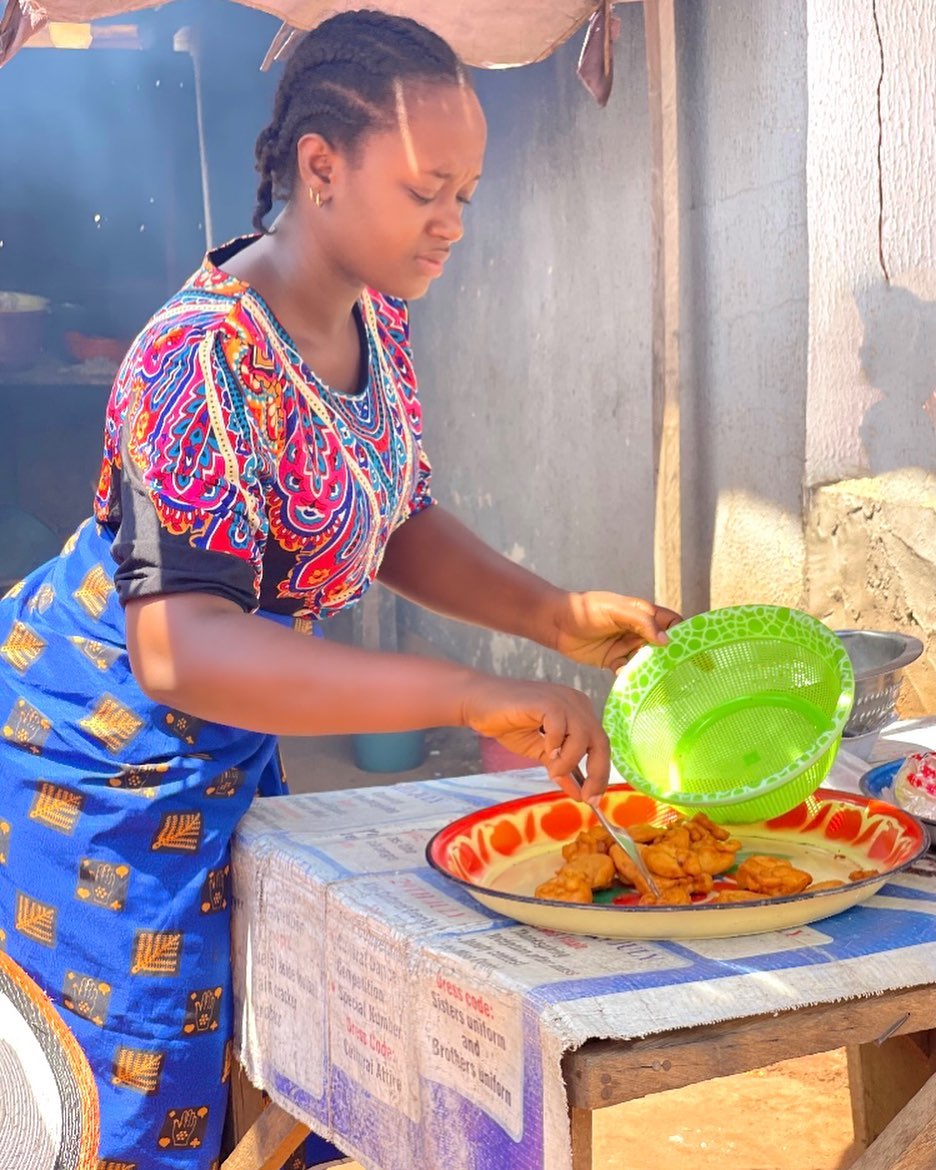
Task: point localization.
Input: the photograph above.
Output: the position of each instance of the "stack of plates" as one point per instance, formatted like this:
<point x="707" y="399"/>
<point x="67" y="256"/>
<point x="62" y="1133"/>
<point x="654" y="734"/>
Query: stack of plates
<point x="878" y="783"/>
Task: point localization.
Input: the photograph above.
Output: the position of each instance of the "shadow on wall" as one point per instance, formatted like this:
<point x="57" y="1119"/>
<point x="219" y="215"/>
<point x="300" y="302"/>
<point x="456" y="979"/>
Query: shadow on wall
<point x="898" y="356"/>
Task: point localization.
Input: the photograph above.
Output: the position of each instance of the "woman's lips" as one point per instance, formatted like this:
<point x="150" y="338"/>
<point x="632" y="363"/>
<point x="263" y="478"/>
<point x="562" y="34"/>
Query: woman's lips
<point x="432" y="263"/>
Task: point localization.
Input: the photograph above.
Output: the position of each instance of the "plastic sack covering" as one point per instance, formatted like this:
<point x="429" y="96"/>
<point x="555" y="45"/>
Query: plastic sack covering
<point x="485" y="33"/>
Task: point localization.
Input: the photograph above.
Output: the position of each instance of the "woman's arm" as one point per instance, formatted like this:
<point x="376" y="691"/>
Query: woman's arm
<point x="204" y="655"/>
<point x="435" y="561"/>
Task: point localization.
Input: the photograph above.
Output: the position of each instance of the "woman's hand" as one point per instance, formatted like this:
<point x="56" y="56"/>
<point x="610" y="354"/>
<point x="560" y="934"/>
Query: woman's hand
<point x="606" y="629"/>
<point x="554" y="725"/>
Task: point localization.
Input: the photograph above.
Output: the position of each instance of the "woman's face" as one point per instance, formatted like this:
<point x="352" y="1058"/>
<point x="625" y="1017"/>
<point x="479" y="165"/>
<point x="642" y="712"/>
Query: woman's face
<point x="393" y="211"/>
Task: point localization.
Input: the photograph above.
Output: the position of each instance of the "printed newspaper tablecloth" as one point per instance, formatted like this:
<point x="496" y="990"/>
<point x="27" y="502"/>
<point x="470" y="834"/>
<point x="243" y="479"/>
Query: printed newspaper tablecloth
<point x="403" y="1021"/>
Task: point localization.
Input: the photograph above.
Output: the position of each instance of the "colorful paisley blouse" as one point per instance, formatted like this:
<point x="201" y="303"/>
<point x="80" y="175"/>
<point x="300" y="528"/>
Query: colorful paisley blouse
<point x="230" y="468"/>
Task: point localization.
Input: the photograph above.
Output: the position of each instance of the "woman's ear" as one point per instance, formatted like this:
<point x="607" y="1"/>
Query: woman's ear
<point x="316" y="160"/>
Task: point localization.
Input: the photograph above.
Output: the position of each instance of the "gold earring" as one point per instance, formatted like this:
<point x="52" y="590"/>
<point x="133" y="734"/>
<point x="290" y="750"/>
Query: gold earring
<point x="315" y="196"/>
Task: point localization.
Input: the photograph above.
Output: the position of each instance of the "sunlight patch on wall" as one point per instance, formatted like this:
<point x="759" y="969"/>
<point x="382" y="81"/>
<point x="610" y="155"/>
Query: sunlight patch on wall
<point x="758" y="554"/>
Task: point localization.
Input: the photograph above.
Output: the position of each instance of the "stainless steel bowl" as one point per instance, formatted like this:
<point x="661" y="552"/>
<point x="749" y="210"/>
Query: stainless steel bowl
<point x="878" y="658"/>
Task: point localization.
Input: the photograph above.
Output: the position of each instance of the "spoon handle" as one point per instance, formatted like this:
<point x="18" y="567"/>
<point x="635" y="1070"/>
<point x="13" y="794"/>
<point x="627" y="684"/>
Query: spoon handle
<point x="622" y="838"/>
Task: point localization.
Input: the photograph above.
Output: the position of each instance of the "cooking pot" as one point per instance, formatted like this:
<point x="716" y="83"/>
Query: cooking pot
<point x="22" y="321"/>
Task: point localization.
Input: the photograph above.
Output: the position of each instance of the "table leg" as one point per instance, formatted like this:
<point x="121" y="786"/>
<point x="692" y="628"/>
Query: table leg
<point x="250" y="1145"/>
<point x="909" y="1142"/>
<point x="882" y="1078"/>
<point x="246" y="1104"/>
<point x="581" y="1124"/>
<point x="258" y="1135"/>
<point x="268" y="1143"/>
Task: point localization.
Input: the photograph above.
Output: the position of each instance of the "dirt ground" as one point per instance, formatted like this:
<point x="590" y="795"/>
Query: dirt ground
<point x="794" y="1115"/>
<point x="791" y="1116"/>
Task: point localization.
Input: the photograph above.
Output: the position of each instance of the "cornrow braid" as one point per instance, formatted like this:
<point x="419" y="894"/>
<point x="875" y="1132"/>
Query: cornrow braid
<point x="341" y="82"/>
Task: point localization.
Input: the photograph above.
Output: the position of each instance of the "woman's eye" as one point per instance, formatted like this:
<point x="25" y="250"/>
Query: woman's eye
<point x="464" y="200"/>
<point x="420" y="198"/>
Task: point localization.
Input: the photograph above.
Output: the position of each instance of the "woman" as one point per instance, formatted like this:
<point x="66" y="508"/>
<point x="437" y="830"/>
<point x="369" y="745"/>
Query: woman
<point x="262" y="461"/>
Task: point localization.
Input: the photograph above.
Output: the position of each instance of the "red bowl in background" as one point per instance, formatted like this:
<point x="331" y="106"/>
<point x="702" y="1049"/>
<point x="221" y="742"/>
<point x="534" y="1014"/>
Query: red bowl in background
<point x="496" y="758"/>
<point x="84" y="348"/>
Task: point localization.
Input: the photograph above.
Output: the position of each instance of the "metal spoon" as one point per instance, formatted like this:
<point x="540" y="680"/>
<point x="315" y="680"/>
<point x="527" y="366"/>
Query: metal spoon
<point x="622" y="838"/>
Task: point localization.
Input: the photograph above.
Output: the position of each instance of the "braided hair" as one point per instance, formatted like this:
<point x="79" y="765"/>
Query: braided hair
<point x="340" y="83"/>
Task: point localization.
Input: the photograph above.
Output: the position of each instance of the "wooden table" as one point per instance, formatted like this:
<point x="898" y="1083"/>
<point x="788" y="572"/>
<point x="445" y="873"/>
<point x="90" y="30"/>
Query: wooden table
<point x="891" y="1043"/>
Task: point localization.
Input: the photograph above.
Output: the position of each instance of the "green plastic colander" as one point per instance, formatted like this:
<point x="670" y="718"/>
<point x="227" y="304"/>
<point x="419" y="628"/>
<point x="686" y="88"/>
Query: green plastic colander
<point x="740" y="715"/>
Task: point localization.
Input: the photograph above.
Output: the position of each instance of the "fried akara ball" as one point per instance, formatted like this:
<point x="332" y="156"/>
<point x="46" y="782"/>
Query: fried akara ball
<point x="593" y="871"/>
<point x="566" y="886"/>
<point x="725" y="896"/>
<point x="596" y="868"/>
<point x="684" y="858"/>
<point x="773" y="876"/>
<point x="597" y="839"/>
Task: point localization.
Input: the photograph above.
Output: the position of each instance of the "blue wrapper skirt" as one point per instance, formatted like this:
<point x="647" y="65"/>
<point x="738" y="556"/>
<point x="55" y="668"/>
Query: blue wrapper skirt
<point x="116" y="817"/>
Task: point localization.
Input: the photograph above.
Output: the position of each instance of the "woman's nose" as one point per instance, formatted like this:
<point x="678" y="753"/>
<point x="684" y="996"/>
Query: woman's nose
<point x="448" y="225"/>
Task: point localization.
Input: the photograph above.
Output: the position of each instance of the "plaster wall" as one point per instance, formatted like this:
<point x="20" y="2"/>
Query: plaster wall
<point x="745" y="312"/>
<point x="871" y="177"/>
<point x="871" y="440"/>
<point x="534" y="353"/>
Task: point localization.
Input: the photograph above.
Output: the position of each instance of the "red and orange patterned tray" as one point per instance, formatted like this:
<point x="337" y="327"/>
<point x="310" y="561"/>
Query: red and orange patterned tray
<point x="500" y="854"/>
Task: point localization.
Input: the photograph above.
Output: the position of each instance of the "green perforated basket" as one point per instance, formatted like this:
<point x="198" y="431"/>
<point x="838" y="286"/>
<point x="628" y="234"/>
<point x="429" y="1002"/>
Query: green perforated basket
<point x="741" y="714"/>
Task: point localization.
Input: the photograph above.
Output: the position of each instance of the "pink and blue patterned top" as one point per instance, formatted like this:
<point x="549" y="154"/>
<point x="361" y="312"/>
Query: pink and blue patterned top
<point x="230" y="468"/>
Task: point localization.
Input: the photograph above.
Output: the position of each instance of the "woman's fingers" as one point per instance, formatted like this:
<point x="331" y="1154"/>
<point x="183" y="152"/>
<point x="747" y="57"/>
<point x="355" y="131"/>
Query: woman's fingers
<point x="555" y="725"/>
<point x="647" y="625"/>
<point x="597" y="770"/>
<point x="625" y="649"/>
<point x="568" y="786"/>
<point x="584" y="739"/>
<point x="577" y="744"/>
<point x="667" y="617"/>
<point x="650" y="621"/>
